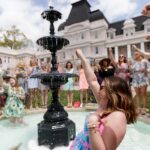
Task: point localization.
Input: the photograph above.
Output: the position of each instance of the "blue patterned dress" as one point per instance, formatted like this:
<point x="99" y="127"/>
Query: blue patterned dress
<point x="69" y="85"/>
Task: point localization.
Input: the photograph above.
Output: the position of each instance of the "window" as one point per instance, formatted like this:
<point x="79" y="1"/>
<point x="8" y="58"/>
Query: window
<point x="84" y="49"/>
<point x="42" y="59"/>
<point x="64" y="56"/>
<point x="82" y="36"/>
<point x="131" y="33"/>
<point x="5" y="59"/>
<point x="96" y="34"/>
<point x="126" y="34"/>
<point x="148" y="45"/>
<point x="148" y="29"/>
<point x="8" y="59"/>
<point x="107" y="34"/>
<point x="111" y="35"/>
<point x="96" y="50"/>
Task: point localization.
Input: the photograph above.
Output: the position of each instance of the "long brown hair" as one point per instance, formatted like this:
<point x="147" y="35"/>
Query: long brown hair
<point x="120" y="98"/>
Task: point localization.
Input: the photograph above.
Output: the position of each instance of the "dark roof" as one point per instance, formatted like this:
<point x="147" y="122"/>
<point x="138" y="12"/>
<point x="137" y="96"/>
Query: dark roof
<point x="61" y="26"/>
<point x="137" y="20"/>
<point x="97" y="15"/>
<point x="80" y="12"/>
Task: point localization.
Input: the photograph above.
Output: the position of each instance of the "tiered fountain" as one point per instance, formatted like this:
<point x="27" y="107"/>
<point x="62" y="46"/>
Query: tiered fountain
<point x="56" y="129"/>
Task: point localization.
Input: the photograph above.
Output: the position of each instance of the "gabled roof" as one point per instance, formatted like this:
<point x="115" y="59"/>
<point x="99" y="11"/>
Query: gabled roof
<point x="81" y="12"/>
<point x="97" y="15"/>
<point x="137" y="20"/>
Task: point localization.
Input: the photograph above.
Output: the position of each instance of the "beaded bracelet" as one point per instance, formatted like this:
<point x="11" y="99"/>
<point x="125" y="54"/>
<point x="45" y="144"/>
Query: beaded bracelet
<point x="93" y="126"/>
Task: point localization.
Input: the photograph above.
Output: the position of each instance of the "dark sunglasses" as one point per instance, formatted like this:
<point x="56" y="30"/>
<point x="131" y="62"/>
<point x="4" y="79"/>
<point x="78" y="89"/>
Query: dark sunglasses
<point x="121" y="56"/>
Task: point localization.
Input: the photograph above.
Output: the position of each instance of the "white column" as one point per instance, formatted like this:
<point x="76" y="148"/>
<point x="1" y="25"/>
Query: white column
<point x="128" y="51"/>
<point x="142" y="46"/>
<point x="116" y="53"/>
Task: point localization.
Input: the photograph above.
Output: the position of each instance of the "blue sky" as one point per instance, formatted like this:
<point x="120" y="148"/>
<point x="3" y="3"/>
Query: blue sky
<point x="25" y="14"/>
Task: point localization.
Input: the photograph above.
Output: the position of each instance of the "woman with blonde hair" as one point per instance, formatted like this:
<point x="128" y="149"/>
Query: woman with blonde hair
<point x="139" y="70"/>
<point x="116" y="110"/>
<point x="33" y="83"/>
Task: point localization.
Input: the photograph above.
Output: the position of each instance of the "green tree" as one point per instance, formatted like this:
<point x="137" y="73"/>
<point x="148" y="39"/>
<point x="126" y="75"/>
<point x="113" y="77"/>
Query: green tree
<point x="14" y="38"/>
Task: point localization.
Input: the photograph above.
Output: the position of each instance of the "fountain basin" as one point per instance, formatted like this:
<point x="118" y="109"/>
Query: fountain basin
<point x="52" y="42"/>
<point x="136" y="138"/>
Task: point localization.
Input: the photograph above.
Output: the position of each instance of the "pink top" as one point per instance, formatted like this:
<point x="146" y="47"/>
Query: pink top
<point x="101" y="128"/>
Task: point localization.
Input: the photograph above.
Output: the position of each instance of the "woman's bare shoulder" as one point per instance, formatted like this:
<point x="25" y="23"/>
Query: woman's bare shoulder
<point x="117" y="116"/>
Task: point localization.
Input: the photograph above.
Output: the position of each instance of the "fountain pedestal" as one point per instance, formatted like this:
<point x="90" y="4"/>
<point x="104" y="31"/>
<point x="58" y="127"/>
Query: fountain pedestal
<point x="56" y="133"/>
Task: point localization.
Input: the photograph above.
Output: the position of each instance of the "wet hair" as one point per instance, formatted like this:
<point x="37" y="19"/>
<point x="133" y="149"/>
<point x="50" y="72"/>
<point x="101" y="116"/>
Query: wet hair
<point x="120" y="98"/>
<point x="69" y="62"/>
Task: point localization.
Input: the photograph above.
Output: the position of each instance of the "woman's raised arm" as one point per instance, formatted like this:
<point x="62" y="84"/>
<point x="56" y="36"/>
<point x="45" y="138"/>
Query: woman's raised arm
<point x="90" y="76"/>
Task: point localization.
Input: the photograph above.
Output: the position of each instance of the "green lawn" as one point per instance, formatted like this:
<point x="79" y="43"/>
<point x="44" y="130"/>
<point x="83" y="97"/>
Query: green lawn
<point x="63" y="100"/>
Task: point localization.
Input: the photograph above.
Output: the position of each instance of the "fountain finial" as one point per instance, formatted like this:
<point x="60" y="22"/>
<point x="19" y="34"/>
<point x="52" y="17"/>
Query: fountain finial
<point x="50" y="5"/>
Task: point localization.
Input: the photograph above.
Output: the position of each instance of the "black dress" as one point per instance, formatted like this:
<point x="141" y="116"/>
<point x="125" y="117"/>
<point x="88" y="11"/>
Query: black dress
<point x="108" y="72"/>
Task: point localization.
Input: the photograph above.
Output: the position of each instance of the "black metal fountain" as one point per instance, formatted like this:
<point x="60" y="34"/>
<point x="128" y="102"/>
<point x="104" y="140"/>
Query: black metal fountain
<point x="56" y="129"/>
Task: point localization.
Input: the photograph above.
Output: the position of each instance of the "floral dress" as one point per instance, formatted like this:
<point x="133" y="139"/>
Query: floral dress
<point x="140" y="78"/>
<point x="14" y="106"/>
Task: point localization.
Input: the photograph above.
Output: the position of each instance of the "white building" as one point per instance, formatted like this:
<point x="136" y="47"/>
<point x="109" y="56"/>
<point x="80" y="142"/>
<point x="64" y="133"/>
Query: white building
<point x="10" y="57"/>
<point x="92" y="32"/>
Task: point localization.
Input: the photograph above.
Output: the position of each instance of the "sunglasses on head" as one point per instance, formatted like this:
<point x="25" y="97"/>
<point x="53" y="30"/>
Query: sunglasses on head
<point x="121" y="56"/>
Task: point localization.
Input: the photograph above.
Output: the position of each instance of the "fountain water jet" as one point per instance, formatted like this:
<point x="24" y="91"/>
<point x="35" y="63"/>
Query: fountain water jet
<point x="56" y="128"/>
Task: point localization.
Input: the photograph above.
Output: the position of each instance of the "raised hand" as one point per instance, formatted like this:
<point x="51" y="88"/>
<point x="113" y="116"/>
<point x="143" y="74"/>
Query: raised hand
<point x="134" y="47"/>
<point x="110" y="50"/>
<point x="79" y="53"/>
<point x="146" y="10"/>
<point x="148" y="37"/>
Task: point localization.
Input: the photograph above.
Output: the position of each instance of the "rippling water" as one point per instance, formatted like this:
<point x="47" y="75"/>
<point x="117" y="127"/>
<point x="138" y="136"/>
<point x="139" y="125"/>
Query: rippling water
<point x="137" y="136"/>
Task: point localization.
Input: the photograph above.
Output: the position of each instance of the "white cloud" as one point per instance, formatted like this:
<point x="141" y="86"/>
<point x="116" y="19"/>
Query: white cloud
<point x="114" y="9"/>
<point x="25" y="15"/>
